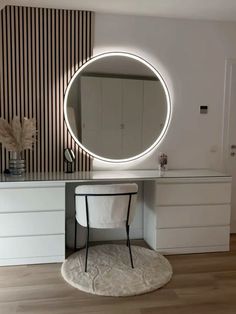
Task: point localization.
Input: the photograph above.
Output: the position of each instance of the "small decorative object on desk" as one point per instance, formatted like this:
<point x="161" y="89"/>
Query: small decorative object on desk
<point x="163" y="160"/>
<point x="69" y="158"/>
<point x="17" y="136"/>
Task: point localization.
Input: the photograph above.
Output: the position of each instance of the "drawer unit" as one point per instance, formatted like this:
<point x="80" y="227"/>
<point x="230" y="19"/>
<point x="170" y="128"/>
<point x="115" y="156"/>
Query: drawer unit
<point x="32" y="224"/>
<point x="187" y="217"/>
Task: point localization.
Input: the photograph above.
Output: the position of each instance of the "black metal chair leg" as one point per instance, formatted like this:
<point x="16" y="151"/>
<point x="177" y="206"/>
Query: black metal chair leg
<point x="75" y="240"/>
<point x="127" y="234"/>
<point x="87" y="247"/>
<point x="129" y="246"/>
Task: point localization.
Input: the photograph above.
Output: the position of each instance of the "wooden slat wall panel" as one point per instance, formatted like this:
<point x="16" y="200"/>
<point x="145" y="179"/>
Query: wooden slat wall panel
<point x="40" y="50"/>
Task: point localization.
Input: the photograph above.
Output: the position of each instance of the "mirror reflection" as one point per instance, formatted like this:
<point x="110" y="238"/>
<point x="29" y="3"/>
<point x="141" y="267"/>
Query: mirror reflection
<point x="116" y="107"/>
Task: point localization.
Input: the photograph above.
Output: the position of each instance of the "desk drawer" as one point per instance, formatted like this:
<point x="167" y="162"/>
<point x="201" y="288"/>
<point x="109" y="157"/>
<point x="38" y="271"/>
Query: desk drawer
<point x="32" y="199"/>
<point x="192" y="216"/>
<point x="192" y="237"/>
<point x="193" y="193"/>
<point x="34" y="223"/>
<point x="35" y="246"/>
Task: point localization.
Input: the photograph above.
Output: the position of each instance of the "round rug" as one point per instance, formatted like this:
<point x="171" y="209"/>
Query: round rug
<point x="109" y="272"/>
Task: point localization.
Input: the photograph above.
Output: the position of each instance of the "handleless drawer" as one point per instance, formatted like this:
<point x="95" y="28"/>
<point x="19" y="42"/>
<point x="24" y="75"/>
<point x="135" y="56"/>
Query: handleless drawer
<point x="193" y="194"/>
<point x="35" y="246"/>
<point x="192" y="237"/>
<point x="192" y="216"/>
<point x="32" y="223"/>
<point x="32" y="199"/>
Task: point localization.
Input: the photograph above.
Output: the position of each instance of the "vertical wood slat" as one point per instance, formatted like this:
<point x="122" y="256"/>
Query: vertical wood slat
<point x="34" y="82"/>
<point x="61" y="75"/>
<point x="1" y="64"/>
<point x="41" y="99"/>
<point x="54" y="89"/>
<point x="65" y="71"/>
<point x="30" y="86"/>
<point x="9" y="63"/>
<point x="40" y="50"/>
<point x="2" y="77"/>
<point x="37" y="84"/>
<point x="17" y="48"/>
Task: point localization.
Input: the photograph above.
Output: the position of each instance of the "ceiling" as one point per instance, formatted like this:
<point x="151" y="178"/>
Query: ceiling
<point x="219" y="10"/>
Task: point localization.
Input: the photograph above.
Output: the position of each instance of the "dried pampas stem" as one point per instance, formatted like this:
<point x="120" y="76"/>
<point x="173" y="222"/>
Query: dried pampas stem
<point x="18" y="136"/>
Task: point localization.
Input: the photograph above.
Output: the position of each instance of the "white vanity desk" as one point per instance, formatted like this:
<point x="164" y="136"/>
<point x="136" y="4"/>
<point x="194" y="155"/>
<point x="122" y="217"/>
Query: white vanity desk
<point x="185" y="211"/>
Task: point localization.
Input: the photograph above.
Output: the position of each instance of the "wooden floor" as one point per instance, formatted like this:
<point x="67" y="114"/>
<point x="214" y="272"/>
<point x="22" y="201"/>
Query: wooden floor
<point x="202" y="284"/>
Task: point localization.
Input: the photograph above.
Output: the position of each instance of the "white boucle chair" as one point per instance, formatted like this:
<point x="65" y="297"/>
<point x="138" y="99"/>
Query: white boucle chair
<point x="105" y="206"/>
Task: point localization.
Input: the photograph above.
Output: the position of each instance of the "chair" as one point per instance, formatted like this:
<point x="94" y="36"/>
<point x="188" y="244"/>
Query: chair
<point x="105" y="206"/>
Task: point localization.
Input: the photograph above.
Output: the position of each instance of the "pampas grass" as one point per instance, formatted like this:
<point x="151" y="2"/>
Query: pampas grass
<point x="17" y="136"/>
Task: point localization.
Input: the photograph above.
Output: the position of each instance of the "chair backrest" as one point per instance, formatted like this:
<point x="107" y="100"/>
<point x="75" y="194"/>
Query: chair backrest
<point x="107" y="204"/>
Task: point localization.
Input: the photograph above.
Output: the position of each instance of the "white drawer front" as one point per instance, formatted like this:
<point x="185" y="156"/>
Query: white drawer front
<point x="36" y="246"/>
<point x="192" y="216"/>
<point x="193" y="193"/>
<point x="192" y="237"/>
<point x="32" y="199"/>
<point x="34" y="223"/>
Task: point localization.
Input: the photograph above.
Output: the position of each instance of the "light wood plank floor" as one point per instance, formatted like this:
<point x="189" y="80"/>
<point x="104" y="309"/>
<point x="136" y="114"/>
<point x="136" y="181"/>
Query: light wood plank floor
<point x="202" y="284"/>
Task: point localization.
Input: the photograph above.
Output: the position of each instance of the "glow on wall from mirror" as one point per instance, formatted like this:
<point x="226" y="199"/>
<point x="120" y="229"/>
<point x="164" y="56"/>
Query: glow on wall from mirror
<point x="117" y="107"/>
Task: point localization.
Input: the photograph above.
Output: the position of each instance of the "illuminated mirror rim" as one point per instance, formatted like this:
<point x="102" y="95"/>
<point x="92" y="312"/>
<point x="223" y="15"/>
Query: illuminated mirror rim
<point x="168" y="101"/>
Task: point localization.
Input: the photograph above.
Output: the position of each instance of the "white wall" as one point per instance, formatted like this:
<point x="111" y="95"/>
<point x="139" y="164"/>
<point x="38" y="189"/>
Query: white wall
<point x="191" y="56"/>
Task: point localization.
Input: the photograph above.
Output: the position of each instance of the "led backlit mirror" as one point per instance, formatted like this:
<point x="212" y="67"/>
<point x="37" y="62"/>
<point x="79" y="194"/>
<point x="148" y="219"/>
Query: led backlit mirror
<point x="117" y="107"/>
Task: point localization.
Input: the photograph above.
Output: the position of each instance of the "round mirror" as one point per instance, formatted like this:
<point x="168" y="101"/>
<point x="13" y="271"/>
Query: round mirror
<point x="117" y="107"/>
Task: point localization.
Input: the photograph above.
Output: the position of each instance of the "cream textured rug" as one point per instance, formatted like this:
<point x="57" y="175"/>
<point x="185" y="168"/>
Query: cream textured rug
<point x="110" y="274"/>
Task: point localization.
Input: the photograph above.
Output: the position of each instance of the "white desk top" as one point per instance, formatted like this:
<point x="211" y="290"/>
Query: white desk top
<point x="170" y="176"/>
